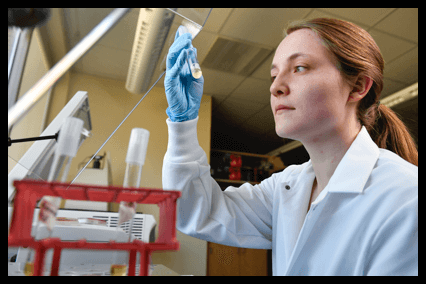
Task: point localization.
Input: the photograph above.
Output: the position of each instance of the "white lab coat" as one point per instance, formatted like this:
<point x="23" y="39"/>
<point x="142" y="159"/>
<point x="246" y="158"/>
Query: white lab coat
<point x="365" y="221"/>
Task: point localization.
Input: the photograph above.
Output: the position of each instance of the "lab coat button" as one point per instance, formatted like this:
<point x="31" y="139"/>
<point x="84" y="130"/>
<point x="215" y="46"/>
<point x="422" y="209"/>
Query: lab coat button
<point x="287" y="187"/>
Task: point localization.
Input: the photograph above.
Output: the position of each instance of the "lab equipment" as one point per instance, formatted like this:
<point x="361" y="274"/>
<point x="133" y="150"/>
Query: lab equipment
<point x="37" y="161"/>
<point x="135" y="159"/>
<point x="188" y="27"/>
<point x="66" y="149"/>
<point x="29" y="191"/>
<point x="68" y="141"/>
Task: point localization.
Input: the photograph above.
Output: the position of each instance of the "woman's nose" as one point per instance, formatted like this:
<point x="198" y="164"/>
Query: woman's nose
<point x="278" y="88"/>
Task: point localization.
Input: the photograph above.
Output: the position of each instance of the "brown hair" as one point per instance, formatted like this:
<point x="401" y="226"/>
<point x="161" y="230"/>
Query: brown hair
<point x="358" y="55"/>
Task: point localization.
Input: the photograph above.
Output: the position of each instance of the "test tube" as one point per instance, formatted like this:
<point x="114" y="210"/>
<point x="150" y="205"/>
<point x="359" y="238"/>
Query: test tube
<point x="194" y="65"/>
<point x="66" y="149"/>
<point x="135" y="159"/>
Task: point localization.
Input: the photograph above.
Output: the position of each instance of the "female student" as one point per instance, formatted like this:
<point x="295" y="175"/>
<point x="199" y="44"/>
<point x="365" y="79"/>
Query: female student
<point x="352" y="209"/>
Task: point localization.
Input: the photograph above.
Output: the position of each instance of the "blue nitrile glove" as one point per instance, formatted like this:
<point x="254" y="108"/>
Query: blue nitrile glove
<point x="183" y="91"/>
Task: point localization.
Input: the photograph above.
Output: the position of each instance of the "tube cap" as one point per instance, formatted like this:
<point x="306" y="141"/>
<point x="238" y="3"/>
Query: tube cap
<point x="138" y="145"/>
<point x="69" y="136"/>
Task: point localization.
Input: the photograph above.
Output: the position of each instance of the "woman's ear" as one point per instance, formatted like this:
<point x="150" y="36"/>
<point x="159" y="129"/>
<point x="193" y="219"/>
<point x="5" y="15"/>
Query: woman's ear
<point x="361" y="88"/>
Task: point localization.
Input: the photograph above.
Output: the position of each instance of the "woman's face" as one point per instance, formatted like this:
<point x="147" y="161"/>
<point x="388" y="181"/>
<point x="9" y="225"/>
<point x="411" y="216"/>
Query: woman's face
<point x="306" y="79"/>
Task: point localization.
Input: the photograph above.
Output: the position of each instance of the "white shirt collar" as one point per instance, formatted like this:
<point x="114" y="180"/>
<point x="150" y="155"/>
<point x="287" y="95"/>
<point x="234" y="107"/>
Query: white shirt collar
<point x="355" y="168"/>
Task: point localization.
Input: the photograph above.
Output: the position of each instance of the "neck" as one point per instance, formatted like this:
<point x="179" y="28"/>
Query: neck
<point x="327" y="150"/>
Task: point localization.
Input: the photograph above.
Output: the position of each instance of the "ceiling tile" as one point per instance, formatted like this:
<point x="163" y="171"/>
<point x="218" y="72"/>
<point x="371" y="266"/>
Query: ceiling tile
<point x="404" y="22"/>
<point x="107" y="62"/>
<point x="216" y="19"/>
<point x="123" y="34"/>
<point x="71" y="26"/>
<point x="221" y="83"/>
<point x="203" y="43"/>
<point x="80" y="21"/>
<point x="366" y="16"/>
<point x="216" y="99"/>
<point x="390" y="87"/>
<point x="323" y="14"/>
<point x="88" y="18"/>
<point x="264" y="71"/>
<point x="252" y="89"/>
<point x="405" y="68"/>
<point x="261" y="25"/>
<point x="390" y="46"/>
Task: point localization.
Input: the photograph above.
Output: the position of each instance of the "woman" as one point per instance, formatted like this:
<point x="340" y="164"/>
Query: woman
<point x="352" y="208"/>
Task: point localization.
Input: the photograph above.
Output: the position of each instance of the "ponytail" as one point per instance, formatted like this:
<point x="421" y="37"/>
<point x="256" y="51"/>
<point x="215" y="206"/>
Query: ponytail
<point x="389" y="132"/>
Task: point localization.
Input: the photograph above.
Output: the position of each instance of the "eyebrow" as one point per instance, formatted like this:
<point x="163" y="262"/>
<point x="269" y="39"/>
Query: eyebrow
<point x="292" y="57"/>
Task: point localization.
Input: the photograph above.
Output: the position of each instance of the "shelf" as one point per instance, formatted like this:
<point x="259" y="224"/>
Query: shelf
<point x="235" y="181"/>
<point x="254" y="167"/>
<point x="242" y="154"/>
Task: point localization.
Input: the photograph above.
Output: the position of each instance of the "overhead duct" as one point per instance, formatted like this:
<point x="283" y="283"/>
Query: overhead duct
<point x="235" y="56"/>
<point x="151" y="33"/>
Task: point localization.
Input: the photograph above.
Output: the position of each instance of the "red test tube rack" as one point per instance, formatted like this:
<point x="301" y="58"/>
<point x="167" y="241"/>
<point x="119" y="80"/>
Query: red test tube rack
<point x="28" y="192"/>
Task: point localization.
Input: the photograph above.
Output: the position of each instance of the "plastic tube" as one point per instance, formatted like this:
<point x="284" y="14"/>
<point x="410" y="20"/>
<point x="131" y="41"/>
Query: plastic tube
<point x="66" y="149"/>
<point x="135" y="159"/>
<point x="194" y="65"/>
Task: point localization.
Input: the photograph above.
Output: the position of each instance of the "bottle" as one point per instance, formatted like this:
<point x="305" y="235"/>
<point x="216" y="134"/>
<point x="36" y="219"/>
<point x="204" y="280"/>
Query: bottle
<point x="66" y="149"/>
<point x="135" y="159"/>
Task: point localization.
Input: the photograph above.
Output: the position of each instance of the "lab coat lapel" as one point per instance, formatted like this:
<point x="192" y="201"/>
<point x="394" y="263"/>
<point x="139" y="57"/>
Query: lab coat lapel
<point x="296" y="194"/>
<point x="356" y="166"/>
<point x="307" y="226"/>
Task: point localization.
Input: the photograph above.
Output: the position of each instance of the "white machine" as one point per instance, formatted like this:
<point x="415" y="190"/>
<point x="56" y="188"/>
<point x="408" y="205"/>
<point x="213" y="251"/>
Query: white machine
<point x="143" y="228"/>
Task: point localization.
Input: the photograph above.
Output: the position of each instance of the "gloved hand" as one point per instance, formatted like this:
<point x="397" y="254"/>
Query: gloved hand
<point x="183" y="91"/>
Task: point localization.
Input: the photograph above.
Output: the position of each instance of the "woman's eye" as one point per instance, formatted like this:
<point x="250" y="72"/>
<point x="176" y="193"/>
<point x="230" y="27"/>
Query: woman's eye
<point x="273" y="79"/>
<point x="298" y="68"/>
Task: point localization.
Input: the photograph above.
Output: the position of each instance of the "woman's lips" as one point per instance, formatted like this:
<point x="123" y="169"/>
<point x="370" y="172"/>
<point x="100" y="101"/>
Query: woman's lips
<point x="283" y="108"/>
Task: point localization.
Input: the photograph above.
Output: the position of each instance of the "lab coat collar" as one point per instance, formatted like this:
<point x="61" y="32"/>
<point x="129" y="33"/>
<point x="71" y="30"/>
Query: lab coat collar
<point x="355" y="168"/>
